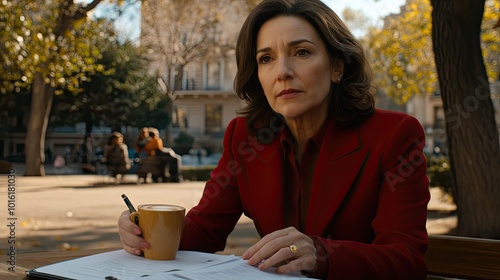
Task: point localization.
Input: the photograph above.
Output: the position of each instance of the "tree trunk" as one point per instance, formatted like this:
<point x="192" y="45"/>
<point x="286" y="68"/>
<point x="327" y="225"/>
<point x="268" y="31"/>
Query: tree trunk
<point x="169" y="109"/>
<point x="87" y="148"/>
<point x="472" y="135"/>
<point x="42" y="96"/>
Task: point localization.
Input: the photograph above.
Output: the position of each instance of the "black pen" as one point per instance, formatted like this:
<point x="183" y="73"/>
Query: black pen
<point x="130" y="207"/>
<point x="129" y="204"/>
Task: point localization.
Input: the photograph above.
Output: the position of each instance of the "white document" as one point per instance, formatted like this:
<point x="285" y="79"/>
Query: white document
<point x="230" y="270"/>
<point x="120" y="265"/>
<point x="123" y="266"/>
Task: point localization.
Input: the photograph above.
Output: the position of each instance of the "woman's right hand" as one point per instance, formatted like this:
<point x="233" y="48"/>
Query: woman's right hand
<point x="130" y="233"/>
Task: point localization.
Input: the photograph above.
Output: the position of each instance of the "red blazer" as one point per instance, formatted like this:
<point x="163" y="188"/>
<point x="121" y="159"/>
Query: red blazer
<point x="368" y="203"/>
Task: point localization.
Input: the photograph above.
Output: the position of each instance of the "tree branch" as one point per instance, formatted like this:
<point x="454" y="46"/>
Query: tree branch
<point x="69" y="13"/>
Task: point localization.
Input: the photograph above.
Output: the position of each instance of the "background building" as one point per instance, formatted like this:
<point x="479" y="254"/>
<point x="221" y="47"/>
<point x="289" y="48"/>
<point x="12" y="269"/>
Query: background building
<point x="192" y="48"/>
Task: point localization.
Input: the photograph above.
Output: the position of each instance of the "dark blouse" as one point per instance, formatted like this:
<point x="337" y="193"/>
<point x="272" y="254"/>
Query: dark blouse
<point x="299" y="175"/>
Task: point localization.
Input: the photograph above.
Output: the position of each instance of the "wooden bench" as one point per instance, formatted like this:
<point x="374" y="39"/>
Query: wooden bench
<point x="463" y="257"/>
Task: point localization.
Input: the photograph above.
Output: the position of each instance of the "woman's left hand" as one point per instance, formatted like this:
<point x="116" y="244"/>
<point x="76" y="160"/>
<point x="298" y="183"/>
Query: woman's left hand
<point x="288" y="249"/>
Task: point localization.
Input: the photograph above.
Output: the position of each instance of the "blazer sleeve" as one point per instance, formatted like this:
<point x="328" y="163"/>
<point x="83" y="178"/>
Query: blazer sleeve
<point x="209" y="223"/>
<point x="398" y="249"/>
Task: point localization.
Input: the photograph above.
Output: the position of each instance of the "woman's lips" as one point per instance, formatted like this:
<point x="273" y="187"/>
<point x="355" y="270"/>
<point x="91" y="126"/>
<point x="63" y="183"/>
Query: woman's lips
<point x="288" y="93"/>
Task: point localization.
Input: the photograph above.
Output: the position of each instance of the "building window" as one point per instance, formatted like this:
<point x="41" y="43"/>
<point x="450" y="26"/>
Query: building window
<point x="213" y="118"/>
<point x="213" y="76"/>
<point x="179" y="117"/>
<point x="439" y="119"/>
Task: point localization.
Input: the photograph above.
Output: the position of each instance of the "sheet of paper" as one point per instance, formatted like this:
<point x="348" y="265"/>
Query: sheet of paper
<point x="234" y="269"/>
<point x="122" y="265"/>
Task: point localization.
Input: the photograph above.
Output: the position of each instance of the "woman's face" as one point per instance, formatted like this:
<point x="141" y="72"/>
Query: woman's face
<point x="294" y="68"/>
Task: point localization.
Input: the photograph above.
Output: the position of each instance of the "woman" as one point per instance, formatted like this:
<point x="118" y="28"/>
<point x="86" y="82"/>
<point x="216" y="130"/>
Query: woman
<point x="141" y="142"/>
<point x="336" y="188"/>
<point x="116" y="155"/>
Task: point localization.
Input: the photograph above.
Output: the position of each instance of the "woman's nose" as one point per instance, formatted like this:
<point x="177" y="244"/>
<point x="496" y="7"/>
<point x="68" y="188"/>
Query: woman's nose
<point x="285" y="71"/>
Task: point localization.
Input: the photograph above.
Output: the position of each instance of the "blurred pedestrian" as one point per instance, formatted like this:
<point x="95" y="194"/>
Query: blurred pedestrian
<point x="155" y="143"/>
<point x="141" y="141"/>
<point x="117" y="159"/>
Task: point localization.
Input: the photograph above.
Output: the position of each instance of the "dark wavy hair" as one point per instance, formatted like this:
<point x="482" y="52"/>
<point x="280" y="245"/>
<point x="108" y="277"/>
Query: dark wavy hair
<point x="352" y="99"/>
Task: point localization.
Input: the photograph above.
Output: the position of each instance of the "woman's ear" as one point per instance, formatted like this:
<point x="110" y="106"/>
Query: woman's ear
<point x="338" y="70"/>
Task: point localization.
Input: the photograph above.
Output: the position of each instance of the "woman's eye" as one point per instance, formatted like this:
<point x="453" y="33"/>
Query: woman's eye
<point x="264" y="59"/>
<point x="302" y="52"/>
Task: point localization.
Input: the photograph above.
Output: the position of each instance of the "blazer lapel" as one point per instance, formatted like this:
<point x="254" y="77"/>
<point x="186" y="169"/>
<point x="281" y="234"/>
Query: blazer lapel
<point x="266" y="187"/>
<point x="336" y="171"/>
